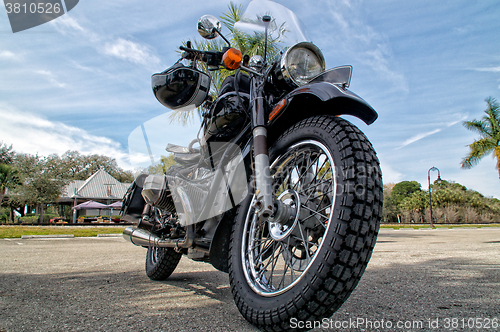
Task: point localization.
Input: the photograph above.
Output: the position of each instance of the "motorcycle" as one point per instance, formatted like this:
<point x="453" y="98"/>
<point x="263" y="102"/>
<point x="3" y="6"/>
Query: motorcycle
<point x="277" y="190"/>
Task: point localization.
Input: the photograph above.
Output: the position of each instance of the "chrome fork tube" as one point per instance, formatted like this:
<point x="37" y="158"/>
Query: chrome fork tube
<point x="264" y="201"/>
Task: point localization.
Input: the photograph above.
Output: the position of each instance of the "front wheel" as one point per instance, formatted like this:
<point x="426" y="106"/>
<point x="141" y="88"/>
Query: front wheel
<point x="302" y="268"/>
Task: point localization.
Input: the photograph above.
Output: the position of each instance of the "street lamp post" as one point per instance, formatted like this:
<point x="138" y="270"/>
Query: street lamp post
<point x="430" y="198"/>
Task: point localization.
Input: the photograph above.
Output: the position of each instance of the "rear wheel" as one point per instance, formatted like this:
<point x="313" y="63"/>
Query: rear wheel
<point x="327" y="177"/>
<point x="161" y="262"/>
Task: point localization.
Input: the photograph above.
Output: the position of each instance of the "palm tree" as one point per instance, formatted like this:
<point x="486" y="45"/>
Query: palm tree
<point x="6" y="153"/>
<point x="489" y="131"/>
<point x="8" y="178"/>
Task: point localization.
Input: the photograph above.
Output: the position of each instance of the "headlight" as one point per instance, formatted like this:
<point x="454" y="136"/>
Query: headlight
<point x="301" y="63"/>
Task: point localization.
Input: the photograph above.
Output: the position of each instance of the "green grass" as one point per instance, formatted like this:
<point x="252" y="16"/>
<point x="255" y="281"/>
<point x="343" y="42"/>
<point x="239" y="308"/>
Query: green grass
<point x="11" y="232"/>
<point x="399" y="226"/>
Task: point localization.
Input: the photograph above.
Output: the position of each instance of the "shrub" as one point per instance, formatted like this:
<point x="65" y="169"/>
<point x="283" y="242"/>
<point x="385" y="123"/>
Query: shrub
<point x="33" y="219"/>
<point x="451" y="215"/>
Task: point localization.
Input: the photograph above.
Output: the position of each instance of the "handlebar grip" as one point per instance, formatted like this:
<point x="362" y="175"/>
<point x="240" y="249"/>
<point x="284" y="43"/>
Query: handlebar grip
<point x="212" y="58"/>
<point x="187" y="49"/>
<point x="189" y="53"/>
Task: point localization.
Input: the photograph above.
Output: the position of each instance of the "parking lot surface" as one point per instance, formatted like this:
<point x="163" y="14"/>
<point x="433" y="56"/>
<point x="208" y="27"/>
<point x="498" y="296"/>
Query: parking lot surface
<point x="417" y="280"/>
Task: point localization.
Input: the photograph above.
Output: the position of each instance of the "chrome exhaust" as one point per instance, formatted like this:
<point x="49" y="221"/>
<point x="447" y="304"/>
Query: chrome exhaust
<point x="144" y="238"/>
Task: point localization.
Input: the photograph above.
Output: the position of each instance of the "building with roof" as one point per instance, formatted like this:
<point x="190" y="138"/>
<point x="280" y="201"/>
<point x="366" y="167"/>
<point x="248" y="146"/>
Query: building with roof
<point x="100" y="187"/>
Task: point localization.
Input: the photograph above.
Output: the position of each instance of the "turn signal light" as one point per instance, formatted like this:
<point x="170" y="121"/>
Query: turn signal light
<point x="277" y="109"/>
<point x="232" y="59"/>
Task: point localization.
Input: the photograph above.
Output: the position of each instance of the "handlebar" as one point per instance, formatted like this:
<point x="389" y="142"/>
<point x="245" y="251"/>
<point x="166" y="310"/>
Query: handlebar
<point x="188" y="49"/>
<point x="211" y="58"/>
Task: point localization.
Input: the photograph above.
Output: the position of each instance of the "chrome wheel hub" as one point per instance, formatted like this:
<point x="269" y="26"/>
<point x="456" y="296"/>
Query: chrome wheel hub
<point x="286" y="217"/>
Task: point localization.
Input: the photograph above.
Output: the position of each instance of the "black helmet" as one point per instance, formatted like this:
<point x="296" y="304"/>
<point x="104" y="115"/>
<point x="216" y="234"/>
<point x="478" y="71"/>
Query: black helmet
<point x="181" y="86"/>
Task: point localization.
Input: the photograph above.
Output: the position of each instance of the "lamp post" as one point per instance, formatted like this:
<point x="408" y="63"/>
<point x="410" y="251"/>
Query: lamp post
<point x="430" y="198"/>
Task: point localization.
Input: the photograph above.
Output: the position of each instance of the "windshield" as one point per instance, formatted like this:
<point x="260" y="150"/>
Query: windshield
<point x="285" y="28"/>
<point x="148" y="141"/>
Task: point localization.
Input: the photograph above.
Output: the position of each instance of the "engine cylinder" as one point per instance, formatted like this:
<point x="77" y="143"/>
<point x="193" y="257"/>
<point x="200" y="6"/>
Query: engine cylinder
<point x="157" y="193"/>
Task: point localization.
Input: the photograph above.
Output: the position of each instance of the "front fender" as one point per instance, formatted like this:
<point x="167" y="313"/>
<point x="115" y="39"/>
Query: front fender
<point x="322" y="98"/>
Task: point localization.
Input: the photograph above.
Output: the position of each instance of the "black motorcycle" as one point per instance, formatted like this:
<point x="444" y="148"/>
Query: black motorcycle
<point x="278" y="190"/>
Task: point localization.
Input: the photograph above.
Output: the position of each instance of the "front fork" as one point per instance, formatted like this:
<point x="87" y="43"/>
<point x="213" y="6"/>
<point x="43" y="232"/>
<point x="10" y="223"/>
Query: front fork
<point x="263" y="192"/>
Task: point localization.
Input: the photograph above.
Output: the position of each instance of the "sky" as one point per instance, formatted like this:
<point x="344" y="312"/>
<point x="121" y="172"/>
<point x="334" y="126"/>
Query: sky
<point x="83" y="81"/>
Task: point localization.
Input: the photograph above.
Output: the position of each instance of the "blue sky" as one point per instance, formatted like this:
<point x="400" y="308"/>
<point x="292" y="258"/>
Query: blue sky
<point x="82" y="81"/>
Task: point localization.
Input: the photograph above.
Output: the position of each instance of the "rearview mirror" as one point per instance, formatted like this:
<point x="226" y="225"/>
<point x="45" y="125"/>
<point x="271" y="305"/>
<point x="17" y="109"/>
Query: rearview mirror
<point x="209" y="27"/>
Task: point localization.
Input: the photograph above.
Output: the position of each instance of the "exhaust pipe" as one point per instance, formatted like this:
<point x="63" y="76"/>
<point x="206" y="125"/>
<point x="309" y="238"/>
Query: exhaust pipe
<point x="144" y="238"/>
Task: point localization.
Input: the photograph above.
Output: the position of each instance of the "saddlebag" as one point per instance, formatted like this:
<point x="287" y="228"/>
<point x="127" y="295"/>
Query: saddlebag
<point x="133" y="202"/>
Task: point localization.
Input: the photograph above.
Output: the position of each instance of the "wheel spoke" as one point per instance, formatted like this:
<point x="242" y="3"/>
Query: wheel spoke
<point x="304" y="241"/>
<point x="308" y="168"/>
<point x="308" y="242"/>
<point x="273" y="266"/>
<point x="312" y="192"/>
<point x="315" y="186"/>
<point x="315" y="212"/>
<point x="270" y="261"/>
<point x="320" y="195"/>
<point x="262" y="252"/>
<point x="291" y="257"/>
<point x="284" y="272"/>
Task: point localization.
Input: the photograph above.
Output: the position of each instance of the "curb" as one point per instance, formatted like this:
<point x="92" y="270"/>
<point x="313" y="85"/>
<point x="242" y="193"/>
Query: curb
<point x="439" y="228"/>
<point x="398" y="229"/>
<point x="54" y="236"/>
<point x="110" y="235"/>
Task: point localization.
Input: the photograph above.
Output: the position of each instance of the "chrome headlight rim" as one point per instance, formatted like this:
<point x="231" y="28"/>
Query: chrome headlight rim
<point x="284" y="71"/>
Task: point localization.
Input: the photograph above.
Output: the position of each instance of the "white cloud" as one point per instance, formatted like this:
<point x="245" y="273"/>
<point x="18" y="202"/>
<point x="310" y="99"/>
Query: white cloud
<point x="121" y="48"/>
<point x="130" y="51"/>
<point x="422" y="135"/>
<point x="33" y="134"/>
<point x="489" y="69"/>
<point x="49" y="76"/>
<point x="64" y="22"/>
<point x="68" y="25"/>
<point x="418" y="137"/>
<point x="7" y="55"/>
<point x="362" y="42"/>
<point x="390" y="175"/>
<point x="379" y="59"/>
<point x="461" y="118"/>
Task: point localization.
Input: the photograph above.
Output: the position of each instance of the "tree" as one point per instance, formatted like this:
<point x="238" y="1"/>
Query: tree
<point x="389" y="212"/>
<point x="447" y="193"/>
<point x="8" y="179"/>
<point x="451" y="203"/>
<point x="35" y="181"/>
<point x="6" y="154"/>
<point x="488" y="129"/>
<point x="163" y="165"/>
<point x="76" y="166"/>
<point x="416" y="201"/>
<point x="404" y="189"/>
<point x="8" y="174"/>
<point x="40" y="181"/>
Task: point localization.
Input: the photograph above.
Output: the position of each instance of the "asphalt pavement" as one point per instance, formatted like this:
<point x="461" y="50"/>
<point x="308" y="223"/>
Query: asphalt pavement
<point x="417" y="280"/>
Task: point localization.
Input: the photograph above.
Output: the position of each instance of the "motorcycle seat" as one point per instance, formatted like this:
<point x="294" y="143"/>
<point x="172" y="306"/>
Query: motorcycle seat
<point x="177" y="149"/>
<point x="185" y="155"/>
<point x="187" y="158"/>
